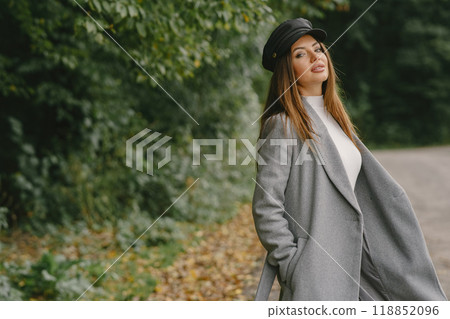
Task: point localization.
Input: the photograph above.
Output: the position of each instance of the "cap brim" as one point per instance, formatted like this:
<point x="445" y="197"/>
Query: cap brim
<point x="317" y="34"/>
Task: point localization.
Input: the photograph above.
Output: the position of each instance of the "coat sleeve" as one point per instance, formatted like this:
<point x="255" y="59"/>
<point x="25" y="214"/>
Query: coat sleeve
<point x="268" y="199"/>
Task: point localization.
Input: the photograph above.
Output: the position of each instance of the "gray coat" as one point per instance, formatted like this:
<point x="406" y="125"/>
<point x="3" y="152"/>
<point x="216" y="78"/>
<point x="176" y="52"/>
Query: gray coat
<point x="312" y="223"/>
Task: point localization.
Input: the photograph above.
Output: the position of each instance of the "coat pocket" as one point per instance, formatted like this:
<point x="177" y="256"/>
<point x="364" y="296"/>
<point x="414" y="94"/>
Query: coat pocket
<point x="301" y="243"/>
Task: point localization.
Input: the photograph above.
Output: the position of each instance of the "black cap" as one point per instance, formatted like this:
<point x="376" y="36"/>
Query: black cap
<point x="284" y="36"/>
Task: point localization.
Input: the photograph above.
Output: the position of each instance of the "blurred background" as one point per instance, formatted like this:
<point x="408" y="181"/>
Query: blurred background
<point x="70" y="98"/>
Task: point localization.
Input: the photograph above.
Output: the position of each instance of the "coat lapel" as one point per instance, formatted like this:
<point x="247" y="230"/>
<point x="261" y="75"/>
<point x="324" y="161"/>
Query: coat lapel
<point x="333" y="165"/>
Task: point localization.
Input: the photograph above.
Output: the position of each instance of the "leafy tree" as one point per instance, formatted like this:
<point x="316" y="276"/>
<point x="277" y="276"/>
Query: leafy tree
<point x="70" y="98"/>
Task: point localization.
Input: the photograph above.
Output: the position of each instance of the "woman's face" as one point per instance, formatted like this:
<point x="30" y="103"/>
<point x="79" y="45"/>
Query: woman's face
<point x="310" y="65"/>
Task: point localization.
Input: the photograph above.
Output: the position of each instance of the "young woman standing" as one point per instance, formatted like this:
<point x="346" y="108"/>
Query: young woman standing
<point x="335" y="224"/>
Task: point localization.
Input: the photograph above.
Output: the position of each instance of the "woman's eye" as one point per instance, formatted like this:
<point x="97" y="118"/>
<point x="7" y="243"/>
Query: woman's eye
<point x="303" y="54"/>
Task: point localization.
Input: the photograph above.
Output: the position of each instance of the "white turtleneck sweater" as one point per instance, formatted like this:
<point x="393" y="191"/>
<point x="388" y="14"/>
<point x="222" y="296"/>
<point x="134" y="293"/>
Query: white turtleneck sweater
<point x="350" y="155"/>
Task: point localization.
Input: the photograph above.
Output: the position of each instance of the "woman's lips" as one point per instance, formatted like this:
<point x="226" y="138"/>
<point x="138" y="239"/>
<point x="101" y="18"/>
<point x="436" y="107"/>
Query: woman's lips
<point x="318" y="69"/>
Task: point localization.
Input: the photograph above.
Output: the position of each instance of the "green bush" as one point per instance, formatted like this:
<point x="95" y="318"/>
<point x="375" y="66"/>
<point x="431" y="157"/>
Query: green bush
<point x="50" y="278"/>
<point x="7" y="291"/>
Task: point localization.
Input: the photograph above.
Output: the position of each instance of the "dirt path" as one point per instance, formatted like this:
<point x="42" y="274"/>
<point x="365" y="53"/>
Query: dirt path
<point x="228" y="262"/>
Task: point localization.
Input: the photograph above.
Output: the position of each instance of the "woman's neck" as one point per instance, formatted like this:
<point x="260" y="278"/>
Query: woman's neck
<point x="314" y="90"/>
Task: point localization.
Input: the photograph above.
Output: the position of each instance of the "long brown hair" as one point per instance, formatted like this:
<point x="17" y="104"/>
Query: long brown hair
<point x="285" y="97"/>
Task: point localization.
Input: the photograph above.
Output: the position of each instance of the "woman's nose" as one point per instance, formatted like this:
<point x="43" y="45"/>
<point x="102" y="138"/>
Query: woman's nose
<point x="315" y="56"/>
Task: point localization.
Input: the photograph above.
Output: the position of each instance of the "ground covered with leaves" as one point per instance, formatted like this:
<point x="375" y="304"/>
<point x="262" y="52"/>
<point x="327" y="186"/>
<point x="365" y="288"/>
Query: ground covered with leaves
<point x="224" y="265"/>
<point x="213" y="262"/>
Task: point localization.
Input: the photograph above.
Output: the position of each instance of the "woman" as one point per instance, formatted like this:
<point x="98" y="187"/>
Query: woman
<point x="335" y="224"/>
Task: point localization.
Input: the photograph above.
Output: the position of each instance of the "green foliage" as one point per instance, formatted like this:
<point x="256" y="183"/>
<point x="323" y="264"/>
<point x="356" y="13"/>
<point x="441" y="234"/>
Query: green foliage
<point x="310" y="9"/>
<point x="7" y="291"/>
<point x="169" y="41"/>
<point x="73" y="98"/>
<point x="50" y="278"/>
<point x="166" y="254"/>
<point x="129" y="229"/>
